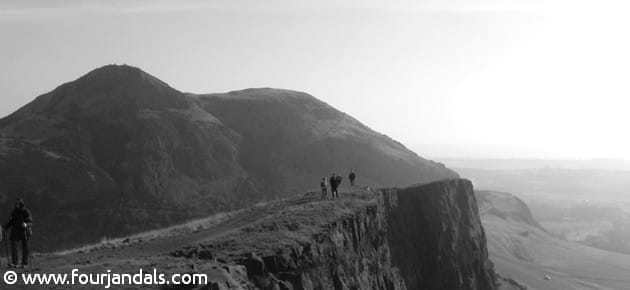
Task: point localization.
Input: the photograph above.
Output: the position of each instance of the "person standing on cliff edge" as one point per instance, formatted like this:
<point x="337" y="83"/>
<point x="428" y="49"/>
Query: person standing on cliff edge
<point x="333" y="185"/>
<point x="20" y="223"/>
<point x="352" y="177"/>
<point x="324" y="186"/>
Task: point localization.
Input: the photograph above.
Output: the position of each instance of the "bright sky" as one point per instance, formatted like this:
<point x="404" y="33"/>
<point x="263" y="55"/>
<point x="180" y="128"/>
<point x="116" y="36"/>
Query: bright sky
<point x="449" y="78"/>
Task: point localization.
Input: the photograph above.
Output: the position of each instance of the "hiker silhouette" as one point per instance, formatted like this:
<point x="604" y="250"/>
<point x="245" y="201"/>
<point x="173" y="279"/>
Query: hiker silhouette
<point x="20" y="222"/>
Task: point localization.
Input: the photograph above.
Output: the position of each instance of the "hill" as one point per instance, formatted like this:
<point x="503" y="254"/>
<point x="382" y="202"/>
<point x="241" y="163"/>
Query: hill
<point x="525" y="252"/>
<point x="291" y="139"/>
<point x="118" y="151"/>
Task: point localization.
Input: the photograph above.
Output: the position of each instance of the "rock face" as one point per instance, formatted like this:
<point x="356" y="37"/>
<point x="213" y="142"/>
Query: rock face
<point x="422" y="237"/>
<point x="436" y="237"/>
<point x="118" y="151"/>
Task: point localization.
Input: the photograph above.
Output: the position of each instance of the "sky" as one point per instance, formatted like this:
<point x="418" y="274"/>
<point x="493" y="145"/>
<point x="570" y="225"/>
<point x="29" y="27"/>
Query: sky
<point x="448" y="78"/>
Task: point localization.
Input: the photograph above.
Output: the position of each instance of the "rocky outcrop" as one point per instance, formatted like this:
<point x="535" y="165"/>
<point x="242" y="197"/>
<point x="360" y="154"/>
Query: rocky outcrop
<point x="422" y="237"/>
<point x="352" y="253"/>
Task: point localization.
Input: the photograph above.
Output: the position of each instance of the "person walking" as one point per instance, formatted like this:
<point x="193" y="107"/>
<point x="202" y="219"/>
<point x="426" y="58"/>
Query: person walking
<point x="324" y="186"/>
<point x="333" y="186"/>
<point x="20" y="223"/>
<point x="352" y="177"/>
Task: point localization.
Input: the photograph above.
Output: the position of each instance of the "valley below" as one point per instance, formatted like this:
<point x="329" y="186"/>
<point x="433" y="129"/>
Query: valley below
<point x="586" y="206"/>
<point x="538" y="257"/>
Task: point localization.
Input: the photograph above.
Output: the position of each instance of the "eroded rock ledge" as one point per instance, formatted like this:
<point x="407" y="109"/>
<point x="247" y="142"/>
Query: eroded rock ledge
<point x="422" y="237"/>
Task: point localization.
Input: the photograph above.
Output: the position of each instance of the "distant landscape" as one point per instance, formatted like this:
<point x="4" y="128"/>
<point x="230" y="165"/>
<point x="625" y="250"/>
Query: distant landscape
<point x="529" y="257"/>
<point x="580" y="201"/>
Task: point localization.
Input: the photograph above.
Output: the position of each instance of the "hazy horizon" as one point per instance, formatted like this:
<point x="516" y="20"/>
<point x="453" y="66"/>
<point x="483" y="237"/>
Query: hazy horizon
<point x="493" y="79"/>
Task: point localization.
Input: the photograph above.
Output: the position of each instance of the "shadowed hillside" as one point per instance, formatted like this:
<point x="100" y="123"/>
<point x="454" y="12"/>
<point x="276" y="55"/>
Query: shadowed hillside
<point x="278" y="127"/>
<point x="118" y="151"/>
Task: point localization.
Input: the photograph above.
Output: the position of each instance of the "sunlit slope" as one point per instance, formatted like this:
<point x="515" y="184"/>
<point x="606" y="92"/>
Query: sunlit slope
<point x="525" y="252"/>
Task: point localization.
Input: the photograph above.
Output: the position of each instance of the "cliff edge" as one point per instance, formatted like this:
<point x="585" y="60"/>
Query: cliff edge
<point x="422" y="237"/>
<point x="426" y="236"/>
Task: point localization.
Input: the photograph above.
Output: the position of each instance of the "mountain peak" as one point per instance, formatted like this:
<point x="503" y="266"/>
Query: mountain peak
<point x="114" y="74"/>
<point x="116" y="68"/>
<point x="107" y="87"/>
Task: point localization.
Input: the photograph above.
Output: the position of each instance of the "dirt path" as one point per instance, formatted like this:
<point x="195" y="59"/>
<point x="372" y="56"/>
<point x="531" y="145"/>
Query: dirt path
<point x="156" y="252"/>
<point x="162" y="247"/>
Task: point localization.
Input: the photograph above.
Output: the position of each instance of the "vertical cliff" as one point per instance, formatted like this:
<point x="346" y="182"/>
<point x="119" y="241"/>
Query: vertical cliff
<point x="422" y="237"/>
<point x="436" y="238"/>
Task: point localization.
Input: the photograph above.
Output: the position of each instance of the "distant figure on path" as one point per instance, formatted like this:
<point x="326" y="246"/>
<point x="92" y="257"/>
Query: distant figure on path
<point x="333" y="185"/>
<point x="324" y="186"/>
<point x="20" y="223"/>
<point x="339" y="178"/>
<point x="352" y="177"/>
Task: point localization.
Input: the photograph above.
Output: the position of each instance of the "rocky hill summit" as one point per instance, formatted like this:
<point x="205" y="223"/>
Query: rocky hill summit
<point x="426" y="236"/>
<point x="118" y="151"/>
